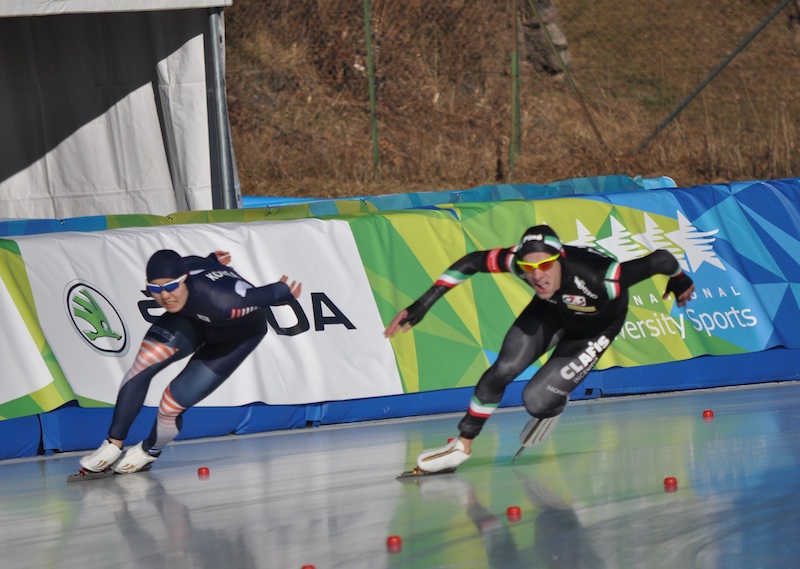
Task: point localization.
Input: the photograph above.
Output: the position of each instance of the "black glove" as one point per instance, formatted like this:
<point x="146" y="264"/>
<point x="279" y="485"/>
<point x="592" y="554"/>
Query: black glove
<point x="416" y="312"/>
<point x="678" y="284"/>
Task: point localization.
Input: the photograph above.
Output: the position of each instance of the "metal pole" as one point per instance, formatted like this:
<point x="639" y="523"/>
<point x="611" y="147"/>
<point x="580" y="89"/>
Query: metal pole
<point x="711" y="76"/>
<point x="376" y="156"/>
<point x="516" y="136"/>
<point x="228" y="197"/>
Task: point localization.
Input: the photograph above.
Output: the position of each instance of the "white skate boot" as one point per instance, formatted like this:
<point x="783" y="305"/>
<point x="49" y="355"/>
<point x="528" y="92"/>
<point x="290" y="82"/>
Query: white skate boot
<point x="102" y="458"/>
<point x="443" y="458"/>
<point x="135" y="459"/>
<point x="535" y="432"/>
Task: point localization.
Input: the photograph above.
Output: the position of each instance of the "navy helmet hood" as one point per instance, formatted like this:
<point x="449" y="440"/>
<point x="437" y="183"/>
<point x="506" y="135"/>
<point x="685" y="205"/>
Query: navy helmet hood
<point x="166" y="264"/>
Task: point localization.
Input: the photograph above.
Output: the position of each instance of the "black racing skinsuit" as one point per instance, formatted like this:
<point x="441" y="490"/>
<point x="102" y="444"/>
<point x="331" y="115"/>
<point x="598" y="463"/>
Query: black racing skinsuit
<point x="579" y="321"/>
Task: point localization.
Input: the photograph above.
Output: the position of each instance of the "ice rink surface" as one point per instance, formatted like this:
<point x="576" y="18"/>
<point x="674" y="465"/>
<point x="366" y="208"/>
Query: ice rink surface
<point x="592" y="495"/>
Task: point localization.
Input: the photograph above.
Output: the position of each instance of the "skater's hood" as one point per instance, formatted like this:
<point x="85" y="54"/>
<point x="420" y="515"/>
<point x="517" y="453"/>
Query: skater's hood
<point x="540" y="238"/>
<point x="166" y="264"/>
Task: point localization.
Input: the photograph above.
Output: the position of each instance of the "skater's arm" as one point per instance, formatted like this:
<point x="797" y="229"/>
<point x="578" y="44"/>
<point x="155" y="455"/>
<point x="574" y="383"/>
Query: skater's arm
<point x="273" y="294"/>
<point x="215" y="260"/>
<point x="493" y="261"/>
<point x="659" y="262"/>
<point x="244" y="295"/>
<point x="229" y="298"/>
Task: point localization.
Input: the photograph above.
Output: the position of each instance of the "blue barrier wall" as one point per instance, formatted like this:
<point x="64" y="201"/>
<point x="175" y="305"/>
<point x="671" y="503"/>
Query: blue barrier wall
<point x="74" y="428"/>
<point x="71" y="427"/>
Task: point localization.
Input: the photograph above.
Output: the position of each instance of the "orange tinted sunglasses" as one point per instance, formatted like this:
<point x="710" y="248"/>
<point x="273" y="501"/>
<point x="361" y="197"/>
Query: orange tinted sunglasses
<point x="543" y="265"/>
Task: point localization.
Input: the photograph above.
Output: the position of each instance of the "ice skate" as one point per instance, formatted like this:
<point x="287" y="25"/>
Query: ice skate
<point x="101" y="459"/>
<point x="440" y="460"/>
<point x="416" y="472"/>
<point x="99" y="464"/>
<point x="136" y="459"/>
<point x="535" y="432"/>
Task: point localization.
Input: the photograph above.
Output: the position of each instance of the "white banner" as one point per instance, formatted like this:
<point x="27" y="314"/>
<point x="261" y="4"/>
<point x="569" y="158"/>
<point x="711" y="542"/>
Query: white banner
<point x="24" y="370"/>
<point x="88" y="290"/>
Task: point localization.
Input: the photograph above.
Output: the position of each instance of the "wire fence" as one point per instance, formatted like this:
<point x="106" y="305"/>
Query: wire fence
<point x="332" y="96"/>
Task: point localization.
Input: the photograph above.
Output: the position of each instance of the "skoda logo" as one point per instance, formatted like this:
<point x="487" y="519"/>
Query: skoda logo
<point x="96" y="320"/>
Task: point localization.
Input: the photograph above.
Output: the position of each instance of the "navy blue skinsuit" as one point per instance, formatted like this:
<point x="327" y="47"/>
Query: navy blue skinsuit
<point x="221" y="323"/>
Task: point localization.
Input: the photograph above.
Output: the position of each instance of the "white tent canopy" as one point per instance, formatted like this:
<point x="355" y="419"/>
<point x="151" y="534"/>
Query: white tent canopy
<point x="112" y="107"/>
<point x="51" y="7"/>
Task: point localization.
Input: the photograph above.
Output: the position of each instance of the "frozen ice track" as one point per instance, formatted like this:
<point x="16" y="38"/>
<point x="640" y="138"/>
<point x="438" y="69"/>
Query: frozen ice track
<point x="591" y="496"/>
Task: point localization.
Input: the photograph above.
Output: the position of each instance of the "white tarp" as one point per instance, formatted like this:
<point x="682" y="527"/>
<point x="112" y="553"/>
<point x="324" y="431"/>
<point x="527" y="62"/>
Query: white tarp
<point x="103" y="113"/>
<point x="20" y="356"/>
<point x="339" y="354"/>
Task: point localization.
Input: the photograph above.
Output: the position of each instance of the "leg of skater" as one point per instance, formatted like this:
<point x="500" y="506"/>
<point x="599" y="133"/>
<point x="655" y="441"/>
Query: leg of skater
<point x="213" y="363"/>
<point x="171" y="340"/>
<point x="546" y="395"/>
<point x="529" y="338"/>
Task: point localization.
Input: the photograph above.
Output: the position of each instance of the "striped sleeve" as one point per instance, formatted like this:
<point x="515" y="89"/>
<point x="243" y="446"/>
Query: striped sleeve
<point x="499" y="260"/>
<point x="613" y="287"/>
<point x="451" y="278"/>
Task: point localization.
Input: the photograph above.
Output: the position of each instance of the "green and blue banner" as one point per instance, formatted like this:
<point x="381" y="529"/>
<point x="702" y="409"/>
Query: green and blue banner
<point x="362" y="264"/>
<point x="736" y="243"/>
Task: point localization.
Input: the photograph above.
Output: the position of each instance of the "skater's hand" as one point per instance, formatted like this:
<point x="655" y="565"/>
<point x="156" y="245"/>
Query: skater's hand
<point x="682" y="287"/>
<point x="399" y="323"/>
<point x="223" y="257"/>
<point x="685" y="297"/>
<point x="295" y="287"/>
<point x="405" y="319"/>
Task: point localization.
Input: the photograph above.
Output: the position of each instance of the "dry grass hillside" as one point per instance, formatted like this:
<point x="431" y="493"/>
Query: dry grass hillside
<point x="299" y="96"/>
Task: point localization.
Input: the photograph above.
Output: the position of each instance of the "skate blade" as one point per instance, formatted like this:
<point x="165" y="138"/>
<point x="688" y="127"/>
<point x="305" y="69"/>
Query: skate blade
<point x="86" y="475"/>
<point x="417" y="472"/>
<point x="540" y="431"/>
<point x="535" y="437"/>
